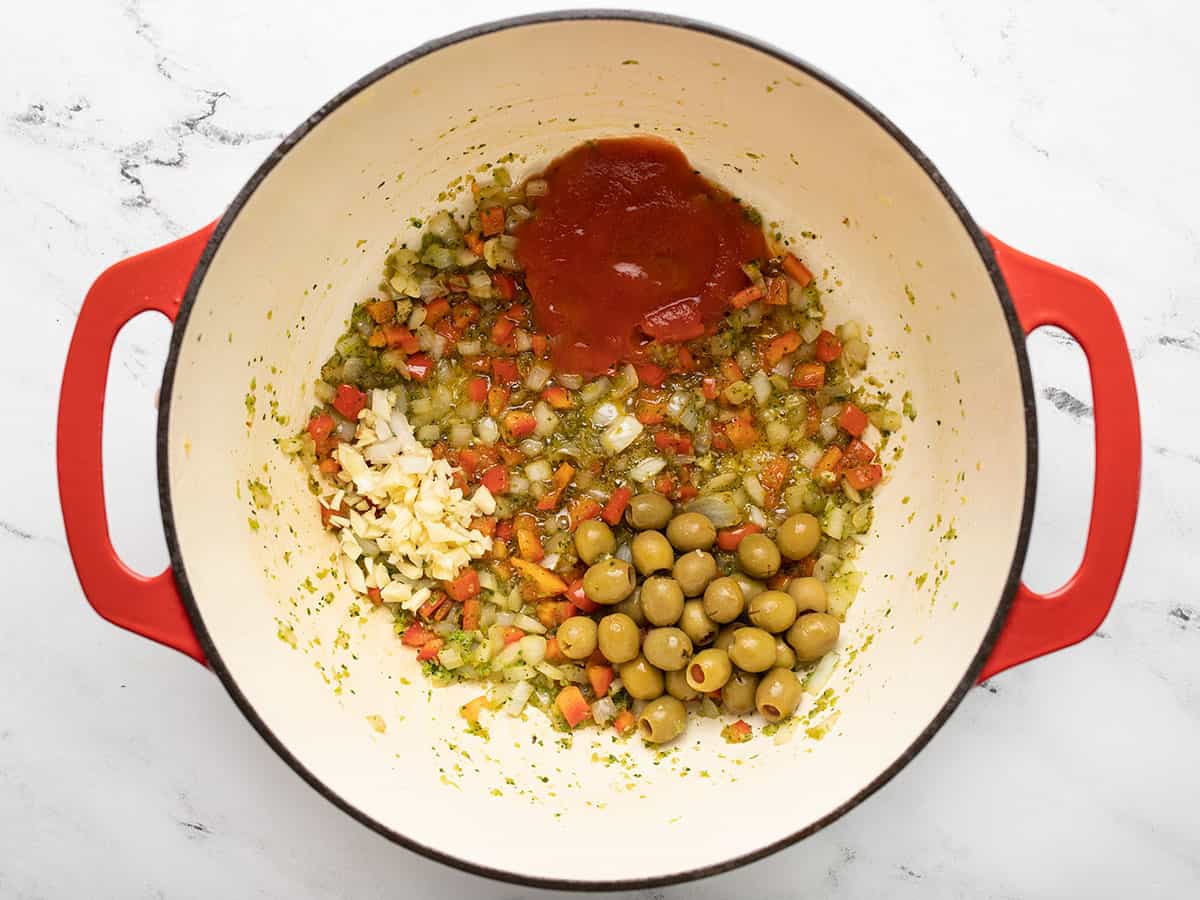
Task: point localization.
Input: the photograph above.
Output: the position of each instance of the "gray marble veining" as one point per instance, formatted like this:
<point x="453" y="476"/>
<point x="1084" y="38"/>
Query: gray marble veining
<point x="1070" y="129"/>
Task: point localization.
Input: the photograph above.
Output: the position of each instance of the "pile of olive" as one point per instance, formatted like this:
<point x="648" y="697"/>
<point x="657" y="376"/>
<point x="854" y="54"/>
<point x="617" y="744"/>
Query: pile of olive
<point x="685" y="629"/>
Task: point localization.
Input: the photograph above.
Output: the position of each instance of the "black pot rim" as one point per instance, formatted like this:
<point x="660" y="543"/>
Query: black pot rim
<point x="212" y="653"/>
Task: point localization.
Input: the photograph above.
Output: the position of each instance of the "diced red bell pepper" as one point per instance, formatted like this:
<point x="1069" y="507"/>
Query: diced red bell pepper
<point x="777" y="292"/>
<point x="600" y="678"/>
<point x="320" y="427"/>
<point x="349" y="401"/>
<point x="809" y="376"/>
<point x="582" y="509"/>
<point x="729" y="538"/>
<point x="650" y="374"/>
<point x="491" y="220"/>
<point x="512" y="634"/>
<point x="828" y="467"/>
<point x="416" y="635"/>
<point x="709" y="388"/>
<point x="375" y="596"/>
<point x="864" y="477"/>
<point x="419" y="366"/>
<point x="430" y="649"/>
<point x="464" y="587"/>
<point x="495" y="480"/>
<point x="741" y="431"/>
<point x="579" y="599"/>
<point x="572" y="705"/>
<point x="745" y="297"/>
<point x="615" y="508"/>
<point x="519" y="424"/>
<point x="625" y="722"/>
<point x="397" y="336"/>
<point x="502" y="329"/>
<point x="436" y="310"/>
<point x="505" y="285"/>
<point x="472" y="609"/>
<point x="738" y="732"/>
<point x="731" y="371"/>
<point x="796" y="270"/>
<point x="477" y="389"/>
<point x="557" y="397"/>
<point x="828" y="347"/>
<point x="497" y="399"/>
<point x="474" y="242"/>
<point x="540" y="345"/>
<point x="857" y="454"/>
<point x="852" y="419"/>
<point x="504" y="371"/>
<point x="779" y="347"/>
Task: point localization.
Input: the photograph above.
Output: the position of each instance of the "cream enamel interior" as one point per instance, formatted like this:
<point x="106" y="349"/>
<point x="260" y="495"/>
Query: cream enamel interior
<point x="310" y="241"/>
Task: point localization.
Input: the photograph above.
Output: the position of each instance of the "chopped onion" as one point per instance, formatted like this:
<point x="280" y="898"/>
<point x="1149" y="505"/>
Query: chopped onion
<point x="604" y="710"/>
<point x="842" y="591"/>
<point x="719" y="507"/>
<point x="450" y="657"/>
<point x="533" y="648"/>
<point x="755" y="515"/>
<point x="379" y="453"/>
<point x="505" y="619"/>
<point x="546" y="419"/>
<point x="819" y="676"/>
<point x="835" y="523"/>
<point x="755" y="489"/>
<point x="625" y="552"/>
<point x="626" y="381"/>
<point x="550" y="671"/>
<point x="810" y="329"/>
<point x="530" y="624"/>
<point x="345" y="430"/>
<point x="647" y="468"/>
<point x="594" y="390"/>
<point x="872" y="437"/>
<point x="470" y="348"/>
<point x="429" y="433"/>
<point x="507" y="656"/>
<point x="762" y="387"/>
<point x="824" y="566"/>
<point x="518" y="485"/>
<point x="479" y="284"/>
<point x="523" y="341"/>
<point x="488" y="430"/>
<point x="536" y="187"/>
<point x="538" y="375"/>
<point x="828" y="432"/>
<point x="550" y="560"/>
<point x="850" y="492"/>
<point x="531" y="447"/>
<point x="778" y="434"/>
<point x="708" y="709"/>
<point x="605" y="414"/>
<point x="811" y="456"/>
<point x="519" y="697"/>
<point x="620" y="434"/>
<point x="570" y="382"/>
<point x="538" y="470"/>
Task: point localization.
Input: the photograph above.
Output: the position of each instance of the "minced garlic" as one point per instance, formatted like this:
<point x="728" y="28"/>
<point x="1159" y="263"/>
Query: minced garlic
<point x="405" y="524"/>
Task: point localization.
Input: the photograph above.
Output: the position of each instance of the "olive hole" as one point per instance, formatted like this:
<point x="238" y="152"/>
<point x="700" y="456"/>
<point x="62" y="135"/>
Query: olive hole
<point x="770" y="711"/>
<point x="698" y="674"/>
<point x="646" y="730"/>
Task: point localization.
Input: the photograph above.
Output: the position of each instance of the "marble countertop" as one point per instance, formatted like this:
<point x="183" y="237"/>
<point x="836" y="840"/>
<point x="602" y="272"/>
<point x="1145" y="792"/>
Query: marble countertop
<point x="1069" y="129"/>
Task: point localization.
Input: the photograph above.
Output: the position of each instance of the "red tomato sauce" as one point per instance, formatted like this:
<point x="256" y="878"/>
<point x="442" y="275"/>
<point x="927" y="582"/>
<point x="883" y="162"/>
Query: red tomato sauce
<point x="628" y="246"/>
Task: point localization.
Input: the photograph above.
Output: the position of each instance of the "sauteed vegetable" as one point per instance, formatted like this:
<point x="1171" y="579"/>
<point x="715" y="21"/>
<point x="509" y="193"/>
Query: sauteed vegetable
<point x="625" y="523"/>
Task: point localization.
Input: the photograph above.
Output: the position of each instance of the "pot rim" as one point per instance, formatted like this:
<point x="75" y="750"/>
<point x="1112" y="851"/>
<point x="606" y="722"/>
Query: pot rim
<point x="982" y="246"/>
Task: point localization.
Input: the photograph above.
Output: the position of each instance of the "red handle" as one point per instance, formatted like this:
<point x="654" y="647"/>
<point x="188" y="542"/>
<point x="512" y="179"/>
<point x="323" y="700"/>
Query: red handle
<point x="155" y="280"/>
<point x="1047" y="295"/>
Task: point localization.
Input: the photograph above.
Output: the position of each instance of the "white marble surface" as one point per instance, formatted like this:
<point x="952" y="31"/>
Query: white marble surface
<point x="1070" y="129"/>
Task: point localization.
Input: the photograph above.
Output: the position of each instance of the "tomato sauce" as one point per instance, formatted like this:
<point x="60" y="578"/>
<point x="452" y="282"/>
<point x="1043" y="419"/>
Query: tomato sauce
<point x="628" y="246"/>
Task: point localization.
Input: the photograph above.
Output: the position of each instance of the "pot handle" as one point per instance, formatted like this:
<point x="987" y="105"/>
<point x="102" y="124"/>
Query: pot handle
<point x="1047" y="295"/>
<point x="155" y="280"/>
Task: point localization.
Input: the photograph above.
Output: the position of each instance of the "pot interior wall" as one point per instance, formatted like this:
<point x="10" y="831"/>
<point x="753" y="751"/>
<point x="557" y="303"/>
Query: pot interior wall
<point x="310" y="241"/>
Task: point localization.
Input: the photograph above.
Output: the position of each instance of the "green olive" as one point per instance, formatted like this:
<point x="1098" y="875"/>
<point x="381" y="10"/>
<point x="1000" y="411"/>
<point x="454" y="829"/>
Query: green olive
<point x="809" y="595"/>
<point x="709" y="670"/>
<point x="652" y="553"/>
<point x="648" y="511"/>
<point x="662" y="600"/>
<point x="618" y="637"/>
<point x="737" y="697"/>
<point x="785" y="656"/>
<point x="813" y="635"/>
<point x="577" y="637"/>
<point x="609" y="581"/>
<point x="778" y="694"/>
<point x="758" y="556"/>
<point x="691" y="531"/>
<point x="798" y="536"/>
<point x="594" y="540"/>
<point x="725" y="636"/>
<point x="642" y="681"/>
<point x="694" y="571"/>
<point x="753" y="649"/>
<point x="668" y="649"/>
<point x="723" y="600"/>
<point x="632" y="607"/>
<point x="773" y="611"/>
<point x="696" y="624"/>
<point x="662" y="720"/>
<point x="678" y="687"/>
<point x="750" y="587"/>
